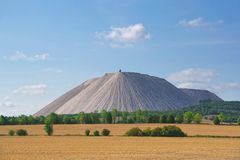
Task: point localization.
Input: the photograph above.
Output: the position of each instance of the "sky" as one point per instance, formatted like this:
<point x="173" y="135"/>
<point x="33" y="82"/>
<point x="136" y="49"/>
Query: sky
<point x="49" y="47"/>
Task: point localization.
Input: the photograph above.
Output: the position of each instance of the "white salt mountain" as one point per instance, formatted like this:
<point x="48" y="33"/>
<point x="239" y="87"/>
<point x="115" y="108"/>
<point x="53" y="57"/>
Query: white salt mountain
<point x="125" y="91"/>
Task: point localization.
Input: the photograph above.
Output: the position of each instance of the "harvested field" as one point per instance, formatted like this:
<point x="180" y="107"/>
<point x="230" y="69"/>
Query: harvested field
<point x="120" y="129"/>
<point x="119" y="148"/>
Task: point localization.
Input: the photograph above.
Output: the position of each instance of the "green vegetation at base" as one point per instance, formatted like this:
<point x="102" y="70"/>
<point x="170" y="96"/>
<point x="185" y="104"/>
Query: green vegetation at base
<point x="231" y="110"/>
<point x="227" y="112"/>
<point x="166" y="131"/>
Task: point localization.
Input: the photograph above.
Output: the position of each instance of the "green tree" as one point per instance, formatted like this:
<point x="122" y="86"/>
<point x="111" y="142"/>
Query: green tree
<point x="188" y="117"/>
<point x="221" y="117"/>
<point x="179" y="118"/>
<point x="138" y="115"/>
<point x="216" y="121"/>
<point x="30" y="119"/>
<point x="66" y="119"/>
<point x="154" y="118"/>
<point x="163" y="118"/>
<point x="22" y="119"/>
<point x="197" y="118"/>
<point x="3" y="120"/>
<point x="82" y="118"/>
<point x="104" y="115"/>
<point x="238" y="120"/>
<point x="52" y="118"/>
<point x="48" y="128"/>
<point x="145" y="116"/>
<point x="114" y="115"/>
<point x="109" y="118"/>
<point x="95" y="118"/>
<point x="124" y="116"/>
<point x="170" y="119"/>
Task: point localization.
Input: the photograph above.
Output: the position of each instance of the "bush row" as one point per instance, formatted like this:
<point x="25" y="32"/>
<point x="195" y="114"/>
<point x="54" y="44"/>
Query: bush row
<point x="105" y="132"/>
<point x="22" y="132"/>
<point x="19" y="132"/>
<point x="166" y="131"/>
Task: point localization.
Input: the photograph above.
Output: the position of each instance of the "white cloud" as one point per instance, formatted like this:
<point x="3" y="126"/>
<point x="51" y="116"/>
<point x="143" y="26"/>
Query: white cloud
<point x="52" y="70"/>
<point x="124" y="35"/>
<point x="7" y="104"/>
<point x="31" y="89"/>
<point x="198" y="22"/>
<point x="192" y="75"/>
<point x="20" y="56"/>
<point x="197" y="78"/>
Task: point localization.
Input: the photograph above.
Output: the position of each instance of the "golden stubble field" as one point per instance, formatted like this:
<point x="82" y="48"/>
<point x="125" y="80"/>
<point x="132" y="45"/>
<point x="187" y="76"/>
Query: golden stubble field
<point x="60" y="147"/>
<point x="120" y="129"/>
<point x="118" y="148"/>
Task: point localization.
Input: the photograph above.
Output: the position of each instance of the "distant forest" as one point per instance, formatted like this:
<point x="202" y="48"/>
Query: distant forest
<point x="228" y="111"/>
<point x="231" y="109"/>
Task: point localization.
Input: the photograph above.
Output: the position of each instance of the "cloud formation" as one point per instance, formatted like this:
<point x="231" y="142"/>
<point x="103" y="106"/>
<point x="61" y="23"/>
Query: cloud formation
<point x="20" y="56"/>
<point x="197" y="78"/>
<point x="31" y="89"/>
<point x="124" y="36"/>
<point x="52" y="70"/>
<point x="198" y="22"/>
<point x="7" y="103"/>
<point x="192" y="75"/>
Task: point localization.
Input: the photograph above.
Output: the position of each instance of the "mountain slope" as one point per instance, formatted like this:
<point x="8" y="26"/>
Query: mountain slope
<point x="199" y="95"/>
<point x="122" y="90"/>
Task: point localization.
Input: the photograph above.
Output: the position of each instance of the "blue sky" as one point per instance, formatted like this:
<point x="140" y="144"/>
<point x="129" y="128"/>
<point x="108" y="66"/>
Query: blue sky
<point x="49" y="47"/>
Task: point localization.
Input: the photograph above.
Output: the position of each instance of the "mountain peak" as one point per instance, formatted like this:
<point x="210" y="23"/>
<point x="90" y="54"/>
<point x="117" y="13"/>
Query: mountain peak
<point x="125" y="91"/>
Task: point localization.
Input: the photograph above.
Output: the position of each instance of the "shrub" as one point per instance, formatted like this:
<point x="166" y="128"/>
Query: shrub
<point x="134" y="132"/>
<point x="105" y="132"/>
<point x="48" y="128"/>
<point x="87" y="132"/>
<point x="11" y="133"/>
<point x="147" y="132"/>
<point x="216" y="121"/>
<point x="172" y="131"/>
<point x="156" y="132"/>
<point x="96" y="133"/>
<point x="21" y="132"/>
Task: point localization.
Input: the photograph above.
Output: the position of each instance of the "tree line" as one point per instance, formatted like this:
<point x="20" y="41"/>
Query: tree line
<point x="112" y="117"/>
